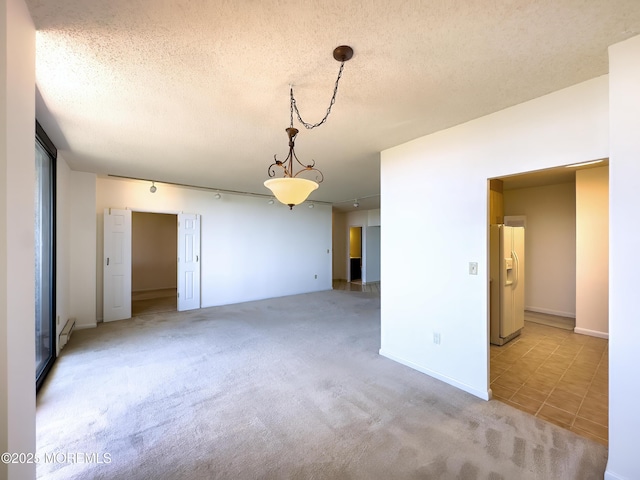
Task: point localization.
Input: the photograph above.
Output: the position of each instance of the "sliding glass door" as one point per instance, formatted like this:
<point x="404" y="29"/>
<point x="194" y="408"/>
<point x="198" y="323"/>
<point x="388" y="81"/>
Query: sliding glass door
<point x="44" y="254"/>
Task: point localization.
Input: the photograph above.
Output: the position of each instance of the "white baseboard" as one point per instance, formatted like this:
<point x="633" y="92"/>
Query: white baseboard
<point x="591" y="333"/>
<point x="483" y="394"/>
<point x="608" y="475"/>
<point x="550" y="312"/>
<point x="65" y="334"/>
<point x="85" y="326"/>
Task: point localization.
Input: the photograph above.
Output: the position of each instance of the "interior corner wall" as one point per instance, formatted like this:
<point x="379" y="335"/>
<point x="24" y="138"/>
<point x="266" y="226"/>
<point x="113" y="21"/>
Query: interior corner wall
<point x="624" y="261"/>
<point x="592" y="252"/>
<point x="550" y="245"/>
<point x="17" y="264"/>
<point x="250" y="250"/>
<point x="435" y="205"/>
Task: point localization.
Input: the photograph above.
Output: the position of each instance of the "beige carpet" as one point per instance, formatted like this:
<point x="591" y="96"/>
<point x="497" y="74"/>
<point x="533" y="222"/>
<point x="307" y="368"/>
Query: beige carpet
<point x="287" y="388"/>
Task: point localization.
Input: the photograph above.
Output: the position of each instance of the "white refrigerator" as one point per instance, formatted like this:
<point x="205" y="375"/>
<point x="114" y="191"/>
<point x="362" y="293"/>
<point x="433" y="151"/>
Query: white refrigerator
<point x="506" y="299"/>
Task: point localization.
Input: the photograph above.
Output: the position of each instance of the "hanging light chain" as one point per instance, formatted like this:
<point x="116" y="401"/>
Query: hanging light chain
<point x="294" y="106"/>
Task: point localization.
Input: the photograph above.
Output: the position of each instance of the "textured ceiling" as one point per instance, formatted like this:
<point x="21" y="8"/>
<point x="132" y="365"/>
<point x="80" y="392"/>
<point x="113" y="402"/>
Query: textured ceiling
<point x="197" y="92"/>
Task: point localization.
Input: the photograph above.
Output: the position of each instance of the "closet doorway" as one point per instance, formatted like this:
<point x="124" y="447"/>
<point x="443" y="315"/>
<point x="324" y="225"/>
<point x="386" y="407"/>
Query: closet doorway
<point x="118" y="262"/>
<point x="154" y="266"/>
<point x="355" y="254"/>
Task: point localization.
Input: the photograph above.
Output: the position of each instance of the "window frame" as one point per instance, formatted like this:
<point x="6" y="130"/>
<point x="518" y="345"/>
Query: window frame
<point x="43" y="139"/>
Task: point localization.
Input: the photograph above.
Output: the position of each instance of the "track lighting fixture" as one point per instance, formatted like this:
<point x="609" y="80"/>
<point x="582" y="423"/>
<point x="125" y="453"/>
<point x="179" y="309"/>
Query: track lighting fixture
<point x="153" y="187"/>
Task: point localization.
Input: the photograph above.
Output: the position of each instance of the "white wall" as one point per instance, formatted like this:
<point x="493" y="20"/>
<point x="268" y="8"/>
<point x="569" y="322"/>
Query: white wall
<point x="373" y="218"/>
<point x="372" y="247"/>
<point x="250" y="250"/>
<point x="442" y="219"/>
<point x="154" y="243"/>
<point x="372" y="254"/>
<point x="624" y="232"/>
<point x="63" y="245"/>
<point x="82" y="240"/>
<point x="550" y="245"/>
<point x="592" y="252"/>
<point x="17" y="266"/>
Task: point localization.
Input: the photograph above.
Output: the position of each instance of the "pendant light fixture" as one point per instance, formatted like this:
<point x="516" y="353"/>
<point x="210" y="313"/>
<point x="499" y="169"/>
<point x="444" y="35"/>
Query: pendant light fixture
<point x="291" y="189"/>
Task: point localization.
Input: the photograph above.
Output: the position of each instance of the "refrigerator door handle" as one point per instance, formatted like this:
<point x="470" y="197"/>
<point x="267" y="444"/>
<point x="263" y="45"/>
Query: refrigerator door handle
<point x="517" y="268"/>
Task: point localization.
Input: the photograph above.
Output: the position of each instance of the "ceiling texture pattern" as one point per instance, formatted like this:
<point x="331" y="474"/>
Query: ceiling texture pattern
<point x="197" y="92"/>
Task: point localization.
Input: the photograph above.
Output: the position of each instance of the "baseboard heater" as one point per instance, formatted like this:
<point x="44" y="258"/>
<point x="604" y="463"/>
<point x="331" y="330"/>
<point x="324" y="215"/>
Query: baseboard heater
<point x="65" y="334"/>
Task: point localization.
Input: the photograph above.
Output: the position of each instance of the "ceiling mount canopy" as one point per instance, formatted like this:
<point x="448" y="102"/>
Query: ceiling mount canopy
<point x="290" y="189"/>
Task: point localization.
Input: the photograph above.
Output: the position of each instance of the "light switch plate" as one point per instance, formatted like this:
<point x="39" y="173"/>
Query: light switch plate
<point x="473" y="268"/>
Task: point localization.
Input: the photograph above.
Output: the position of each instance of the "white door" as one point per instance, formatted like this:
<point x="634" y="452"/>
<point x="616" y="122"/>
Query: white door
<point x="117" y="264"/>
<point x="188" y="261"/>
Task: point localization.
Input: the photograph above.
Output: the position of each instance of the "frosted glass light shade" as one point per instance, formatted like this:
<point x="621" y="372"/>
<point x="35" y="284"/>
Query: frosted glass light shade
<point x="291" y="191"/>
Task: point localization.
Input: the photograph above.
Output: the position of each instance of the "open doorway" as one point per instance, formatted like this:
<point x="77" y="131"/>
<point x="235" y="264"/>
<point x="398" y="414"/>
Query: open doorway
<point x="355" y="254"/>
<point x="117" y="275"/>
<point x="154" y="266"/>
<point x="556" y="368"/>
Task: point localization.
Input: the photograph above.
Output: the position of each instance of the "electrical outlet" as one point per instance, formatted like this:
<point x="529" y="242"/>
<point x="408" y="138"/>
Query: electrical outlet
<point x="436" y="338"/>
<point x="473" y="268"/>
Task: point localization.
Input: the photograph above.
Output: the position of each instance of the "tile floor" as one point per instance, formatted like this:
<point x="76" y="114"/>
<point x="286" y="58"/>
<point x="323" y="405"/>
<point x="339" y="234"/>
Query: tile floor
<point x="557" y="375"/>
